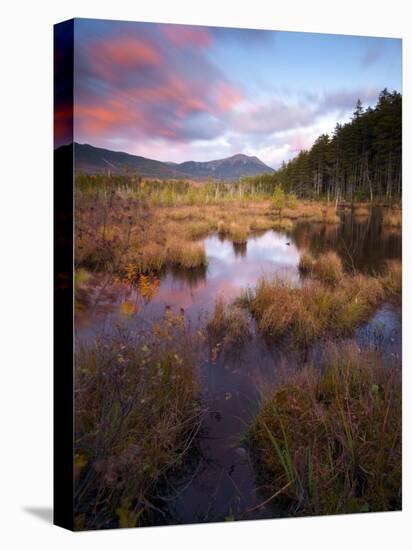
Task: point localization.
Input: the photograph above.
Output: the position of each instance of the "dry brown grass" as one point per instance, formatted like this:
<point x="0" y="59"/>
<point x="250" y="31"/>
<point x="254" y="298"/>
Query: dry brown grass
<point x="328" y="268"/>
<point x="238" y="232"/>
<point x="302" y="315"/>
<point x="185" y="254"/>
<point x="222" y="227"/>
<point x="198" y="229"/>
<point x="306" y="262"/>
<point x="392" y="278"/>
<point x="283" y="224"/>
<point x="261" y="224"/>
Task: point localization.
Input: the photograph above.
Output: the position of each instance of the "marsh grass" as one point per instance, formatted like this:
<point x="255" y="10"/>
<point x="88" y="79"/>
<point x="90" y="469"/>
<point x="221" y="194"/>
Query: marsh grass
<point x="318" y="309"/>
<point x="306" y="262"/>
<point x="192" y="256"/>
<point x="392" y="279"/>
<point x="283" y="224"/>
<point x="238" y="233"/>
<point x="328" y="268"/>
<point x="261" y="224"/>
<point x="186" y="255"/>
<point x="222" y="227"/>
<point x="228" y="325"/>
<point x="328" y="440"/>
<point x="137" y="417"/>
<point x="196" y="230"/>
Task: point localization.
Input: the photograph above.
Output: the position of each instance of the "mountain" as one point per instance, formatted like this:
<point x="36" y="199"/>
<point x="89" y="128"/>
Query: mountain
<point x="94" y="160"/>
<point x="227" y="168"/>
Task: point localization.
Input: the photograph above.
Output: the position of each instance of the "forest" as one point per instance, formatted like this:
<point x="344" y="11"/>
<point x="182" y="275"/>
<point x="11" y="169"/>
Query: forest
<point x="362" y="160"/>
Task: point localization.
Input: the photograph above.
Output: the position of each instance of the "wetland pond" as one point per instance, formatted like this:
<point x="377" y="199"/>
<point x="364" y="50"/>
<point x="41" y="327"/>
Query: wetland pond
<point x="223" y="483"/>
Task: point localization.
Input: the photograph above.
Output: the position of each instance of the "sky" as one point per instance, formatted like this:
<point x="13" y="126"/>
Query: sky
<point x="179" y="92"/>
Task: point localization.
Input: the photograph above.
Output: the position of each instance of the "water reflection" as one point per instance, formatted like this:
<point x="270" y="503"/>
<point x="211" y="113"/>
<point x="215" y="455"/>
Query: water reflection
<point x="224" y="484"/>
<point x="191" y="277"/>
<point x="363" y="242"/>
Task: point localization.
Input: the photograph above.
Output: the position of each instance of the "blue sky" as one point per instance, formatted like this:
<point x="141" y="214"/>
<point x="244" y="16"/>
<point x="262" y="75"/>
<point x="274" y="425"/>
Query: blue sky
<point x="179" y="92"/>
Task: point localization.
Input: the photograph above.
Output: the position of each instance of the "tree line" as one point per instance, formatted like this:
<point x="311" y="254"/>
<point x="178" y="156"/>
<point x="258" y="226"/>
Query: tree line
<point x="361" y="160"/>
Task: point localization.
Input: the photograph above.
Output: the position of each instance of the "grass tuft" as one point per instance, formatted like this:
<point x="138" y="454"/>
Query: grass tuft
<point x="329" y="439"/>
<point x="238" y="233"/>
<point x="314" y="310"/>
<point x="228" y="325"/>
<point x="137" y="416"/>
<point x="306" y="262"/>
<point x="328" y="268"/>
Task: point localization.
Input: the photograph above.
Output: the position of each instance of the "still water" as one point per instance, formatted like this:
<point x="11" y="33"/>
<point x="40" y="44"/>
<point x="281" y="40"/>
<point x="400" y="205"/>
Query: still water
<point x="222" y="484"/>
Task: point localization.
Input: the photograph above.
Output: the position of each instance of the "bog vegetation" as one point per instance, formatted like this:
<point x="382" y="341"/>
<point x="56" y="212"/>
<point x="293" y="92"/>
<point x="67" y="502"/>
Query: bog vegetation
<point x="137" y="416"/>
<point x="327" y="440"/>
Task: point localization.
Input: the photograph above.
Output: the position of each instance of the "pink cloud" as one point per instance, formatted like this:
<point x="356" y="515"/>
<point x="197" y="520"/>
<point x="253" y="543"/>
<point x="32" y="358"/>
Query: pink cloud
<point x="104" y="117"/>
<point x="226" y="97"/>
<point x="299" y="142"/>
<point x="110" y="59"/>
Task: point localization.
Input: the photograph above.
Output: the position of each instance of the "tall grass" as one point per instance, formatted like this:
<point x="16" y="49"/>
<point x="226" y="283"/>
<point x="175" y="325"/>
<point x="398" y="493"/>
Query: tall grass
<point x="228" y="325"/>
<point x="306" y="262"/>
<point x="238" y="233"/>
<point x="186" y="255"/>
<point x="136" y="419"/>
<point x="317" y="309"/>
<point x="329" y="439"/>
<point x="328" y="268"/>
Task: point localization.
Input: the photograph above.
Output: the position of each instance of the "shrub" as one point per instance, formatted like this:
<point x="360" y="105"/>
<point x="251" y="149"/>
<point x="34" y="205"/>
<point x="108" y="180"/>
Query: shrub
<point x="279" y="199"/>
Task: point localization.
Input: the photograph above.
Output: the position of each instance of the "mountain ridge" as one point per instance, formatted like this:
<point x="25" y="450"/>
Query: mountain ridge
<point x="97" y="160"/>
